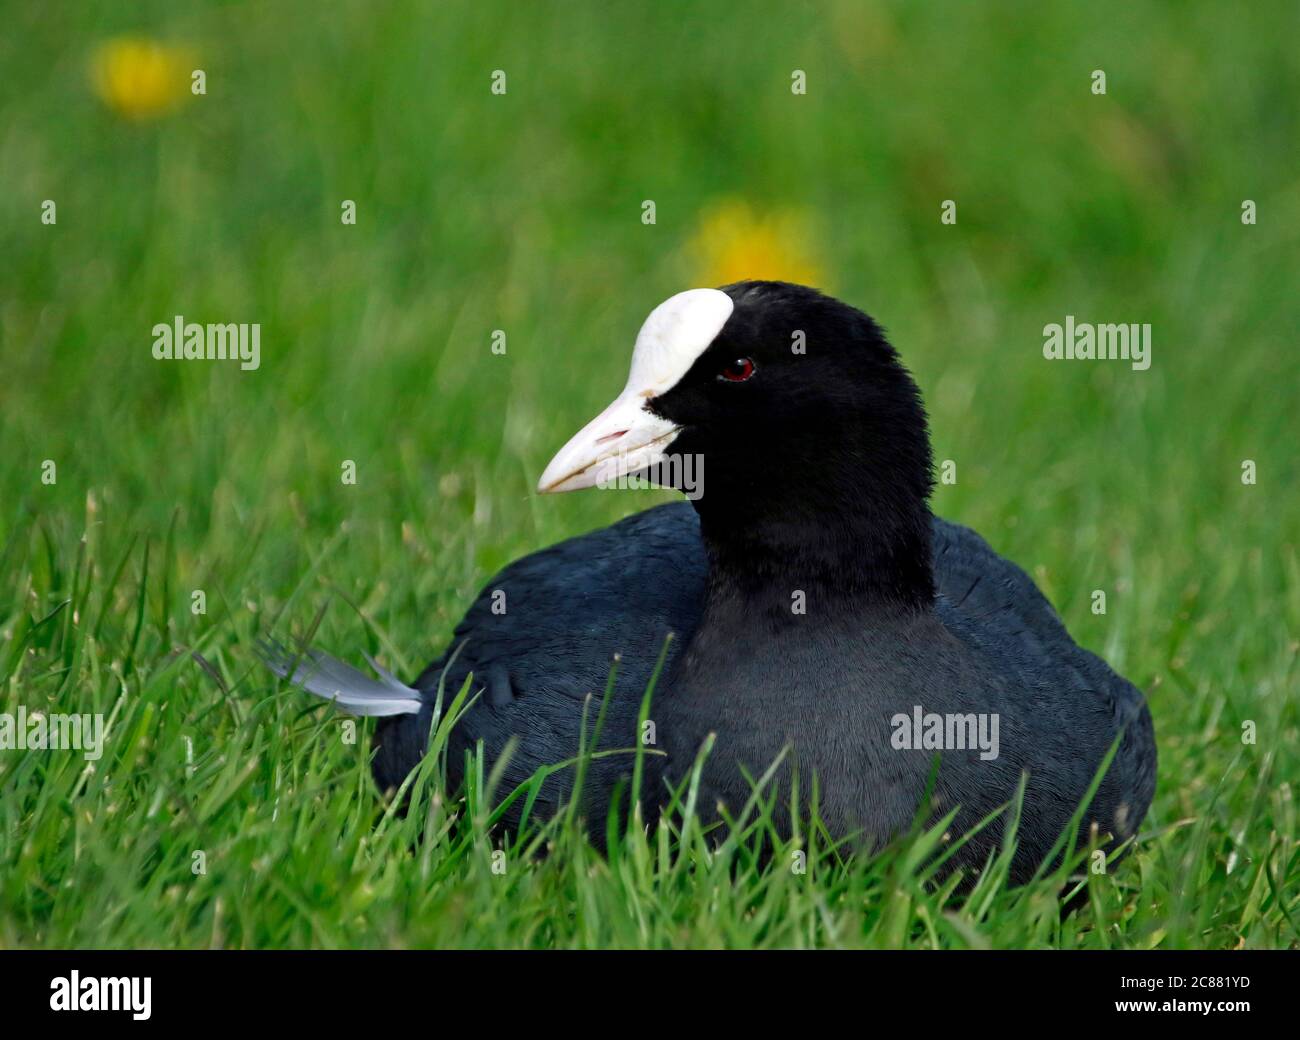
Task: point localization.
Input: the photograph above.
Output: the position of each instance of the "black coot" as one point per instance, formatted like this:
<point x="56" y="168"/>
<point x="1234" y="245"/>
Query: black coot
<point x="817" y="604"/>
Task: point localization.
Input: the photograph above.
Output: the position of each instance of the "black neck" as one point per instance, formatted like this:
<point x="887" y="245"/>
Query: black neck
<point x="842" y="546"/>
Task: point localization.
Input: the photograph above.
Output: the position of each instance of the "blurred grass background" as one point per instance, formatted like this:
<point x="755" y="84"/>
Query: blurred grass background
<point x="522" y="212"/>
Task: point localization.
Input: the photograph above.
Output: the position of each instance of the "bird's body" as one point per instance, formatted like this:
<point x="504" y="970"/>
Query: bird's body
<point x="991" y="645"/>
<point x="819" y="609"/>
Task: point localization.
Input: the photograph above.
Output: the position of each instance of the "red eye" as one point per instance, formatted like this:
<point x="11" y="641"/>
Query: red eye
<point x="737" y="371"/>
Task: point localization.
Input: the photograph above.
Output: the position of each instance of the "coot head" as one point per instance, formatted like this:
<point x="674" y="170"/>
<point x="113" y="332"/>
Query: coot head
<point x="805" y="433"/>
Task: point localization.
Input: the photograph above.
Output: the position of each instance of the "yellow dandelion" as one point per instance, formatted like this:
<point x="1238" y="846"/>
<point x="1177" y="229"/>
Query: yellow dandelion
<point x="140" y="78"/>
<point x="735" y="243"/>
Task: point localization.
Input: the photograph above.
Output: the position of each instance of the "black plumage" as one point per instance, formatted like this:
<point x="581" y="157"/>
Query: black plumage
<point x="815" y="602"/>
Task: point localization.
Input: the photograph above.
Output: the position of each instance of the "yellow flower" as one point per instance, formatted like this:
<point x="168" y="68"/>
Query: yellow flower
<point x="140" y="78"/>
<point x="734" y="243"/>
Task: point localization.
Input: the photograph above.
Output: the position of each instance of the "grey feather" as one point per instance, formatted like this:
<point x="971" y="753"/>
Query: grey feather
<point x="351" y="690"/>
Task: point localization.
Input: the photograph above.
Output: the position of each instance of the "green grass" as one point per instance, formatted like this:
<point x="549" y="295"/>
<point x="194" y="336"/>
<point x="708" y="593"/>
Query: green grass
<point x="522" y="213"/>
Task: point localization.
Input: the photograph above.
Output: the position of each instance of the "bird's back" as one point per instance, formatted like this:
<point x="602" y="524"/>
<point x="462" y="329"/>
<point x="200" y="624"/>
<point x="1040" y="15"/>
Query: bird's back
<point x="543" y="634"/>
<point x="1071" y="704"/>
